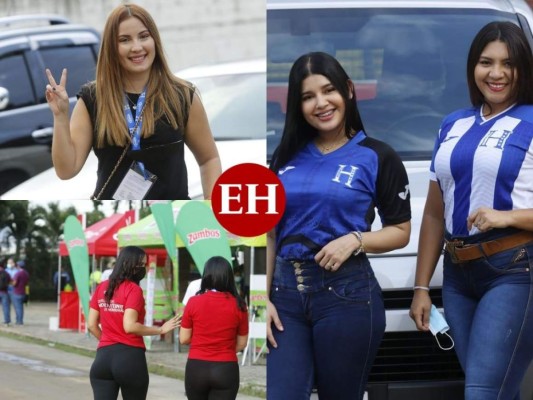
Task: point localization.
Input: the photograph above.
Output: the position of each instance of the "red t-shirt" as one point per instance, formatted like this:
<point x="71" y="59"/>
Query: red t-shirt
<point x="215" y="321"/>
<point x="127" y="295"/>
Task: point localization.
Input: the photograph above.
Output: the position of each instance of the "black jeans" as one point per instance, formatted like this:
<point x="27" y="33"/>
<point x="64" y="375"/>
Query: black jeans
<point x="119" y="367"/>
<point x="211" y="380"/>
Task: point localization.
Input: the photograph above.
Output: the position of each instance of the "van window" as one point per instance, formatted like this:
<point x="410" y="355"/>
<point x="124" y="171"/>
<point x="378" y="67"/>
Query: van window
<point x="408" y="66"/>
<point x="14" y="77"/>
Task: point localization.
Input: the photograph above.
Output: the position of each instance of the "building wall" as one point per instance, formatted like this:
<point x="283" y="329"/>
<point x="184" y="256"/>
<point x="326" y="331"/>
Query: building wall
<point x="193" y="31"/>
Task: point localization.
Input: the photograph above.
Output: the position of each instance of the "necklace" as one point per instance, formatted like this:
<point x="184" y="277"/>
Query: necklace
<point x="332" y="146"/>
<point x="133" y="104"/>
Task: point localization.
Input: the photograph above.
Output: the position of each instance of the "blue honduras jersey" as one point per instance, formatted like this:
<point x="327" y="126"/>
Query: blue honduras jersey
<point x="329" y="195"/>
<point x="479" y="162"/>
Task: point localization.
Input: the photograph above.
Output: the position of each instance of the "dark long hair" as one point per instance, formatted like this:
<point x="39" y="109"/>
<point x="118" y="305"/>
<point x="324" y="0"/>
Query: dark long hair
<point x="126" y="267"/>
<point x="218" y="275"/>
<point x="520" y="57"/>
<point x="297" y="132"/>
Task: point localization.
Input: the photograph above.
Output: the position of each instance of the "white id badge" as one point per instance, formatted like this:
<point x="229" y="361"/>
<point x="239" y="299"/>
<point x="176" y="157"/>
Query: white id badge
<point x="134" y="186"/>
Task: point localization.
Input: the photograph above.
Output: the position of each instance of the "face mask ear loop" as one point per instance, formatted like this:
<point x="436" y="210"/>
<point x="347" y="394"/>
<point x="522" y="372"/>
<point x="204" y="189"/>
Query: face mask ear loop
<point x="445" y="348"/>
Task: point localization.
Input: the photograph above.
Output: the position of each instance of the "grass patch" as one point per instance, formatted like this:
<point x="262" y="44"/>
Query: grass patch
<point x="162" y="370"/>
<point x="49" y="343"/>
<point x="253" y="391"/>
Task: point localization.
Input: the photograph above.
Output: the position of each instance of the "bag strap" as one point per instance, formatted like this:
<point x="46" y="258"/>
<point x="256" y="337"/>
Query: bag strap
<point x="97" y="197"/>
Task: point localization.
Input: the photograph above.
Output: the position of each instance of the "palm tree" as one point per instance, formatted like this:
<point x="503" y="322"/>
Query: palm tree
<point x="17" y="223"/>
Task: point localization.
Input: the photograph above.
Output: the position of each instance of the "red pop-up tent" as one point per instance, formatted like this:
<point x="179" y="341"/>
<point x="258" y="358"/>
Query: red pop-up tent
<point x="102" y="236"/>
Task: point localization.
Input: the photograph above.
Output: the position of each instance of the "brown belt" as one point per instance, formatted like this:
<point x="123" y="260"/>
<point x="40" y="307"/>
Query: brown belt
<point x="461" y="252"/>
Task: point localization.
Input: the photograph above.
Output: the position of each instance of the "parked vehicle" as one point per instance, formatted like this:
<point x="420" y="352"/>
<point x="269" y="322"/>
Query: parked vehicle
<point x="28" y="45"/>
<point x="234" y="96"/>
<point x="408" y="62"/>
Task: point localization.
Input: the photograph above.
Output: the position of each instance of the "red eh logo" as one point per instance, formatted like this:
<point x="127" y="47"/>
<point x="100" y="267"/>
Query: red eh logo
<point x="203" y="234"/>
<point x="248" y="199"/>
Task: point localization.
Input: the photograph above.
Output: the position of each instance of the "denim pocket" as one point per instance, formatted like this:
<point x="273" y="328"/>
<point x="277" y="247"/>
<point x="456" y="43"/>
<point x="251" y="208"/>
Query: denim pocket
<point x="353" y="291"/>
<point x="509" y="262"/>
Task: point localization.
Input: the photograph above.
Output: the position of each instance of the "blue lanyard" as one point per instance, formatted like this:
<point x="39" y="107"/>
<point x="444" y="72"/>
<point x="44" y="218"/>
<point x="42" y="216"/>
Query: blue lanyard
<point x="135" y="126"/>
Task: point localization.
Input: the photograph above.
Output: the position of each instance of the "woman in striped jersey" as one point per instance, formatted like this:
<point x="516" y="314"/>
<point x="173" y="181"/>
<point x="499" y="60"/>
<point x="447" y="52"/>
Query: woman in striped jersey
<point x="480" y="205"/>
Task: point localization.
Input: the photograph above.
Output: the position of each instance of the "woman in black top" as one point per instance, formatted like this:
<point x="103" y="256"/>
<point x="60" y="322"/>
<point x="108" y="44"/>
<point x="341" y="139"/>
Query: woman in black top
<point x="137" y="116"/>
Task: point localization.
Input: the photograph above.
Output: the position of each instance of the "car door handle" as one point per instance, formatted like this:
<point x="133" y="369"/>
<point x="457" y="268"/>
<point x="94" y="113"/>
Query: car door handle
<point x="43" y="133"/>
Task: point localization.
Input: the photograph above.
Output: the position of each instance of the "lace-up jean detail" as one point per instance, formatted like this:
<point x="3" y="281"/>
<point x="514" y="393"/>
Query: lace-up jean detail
<point x="333" y="324"/>
<point x="488" y="304"/>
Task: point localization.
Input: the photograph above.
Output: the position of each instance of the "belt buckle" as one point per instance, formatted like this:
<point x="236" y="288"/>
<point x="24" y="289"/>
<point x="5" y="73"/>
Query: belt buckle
<point x="451" y="246"/>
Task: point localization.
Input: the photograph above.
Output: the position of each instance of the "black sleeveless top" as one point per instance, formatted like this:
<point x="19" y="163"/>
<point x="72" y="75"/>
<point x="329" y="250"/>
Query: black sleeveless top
<point x="162" y="155"/>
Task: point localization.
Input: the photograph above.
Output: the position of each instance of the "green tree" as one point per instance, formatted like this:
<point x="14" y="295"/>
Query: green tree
<point x="24" y="229"/>
<point x="17" y="224"/>
<point x="32" y="232"/>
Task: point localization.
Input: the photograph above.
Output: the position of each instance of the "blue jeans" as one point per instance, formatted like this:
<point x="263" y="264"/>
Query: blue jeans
<point x="333" y="325"/>
<point x="489" y="306"/>
<point x="18" y="303"/>
<point x="6" y="306"/>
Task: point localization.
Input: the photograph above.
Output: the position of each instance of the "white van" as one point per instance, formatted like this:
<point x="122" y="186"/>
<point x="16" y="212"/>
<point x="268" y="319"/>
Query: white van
<point x="408" y="62"/>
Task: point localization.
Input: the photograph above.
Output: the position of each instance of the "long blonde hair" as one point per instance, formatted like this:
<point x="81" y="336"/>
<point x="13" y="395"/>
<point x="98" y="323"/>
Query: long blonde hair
<point x="167" y="95"/>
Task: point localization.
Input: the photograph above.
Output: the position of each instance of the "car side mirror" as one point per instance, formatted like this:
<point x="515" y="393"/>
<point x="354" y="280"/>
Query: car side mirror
<point x="4" y="98"/>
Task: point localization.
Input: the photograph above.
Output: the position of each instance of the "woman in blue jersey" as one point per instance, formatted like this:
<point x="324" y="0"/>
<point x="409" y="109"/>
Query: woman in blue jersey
<point x="325" y="313"/>
<point x="480" y="204"/>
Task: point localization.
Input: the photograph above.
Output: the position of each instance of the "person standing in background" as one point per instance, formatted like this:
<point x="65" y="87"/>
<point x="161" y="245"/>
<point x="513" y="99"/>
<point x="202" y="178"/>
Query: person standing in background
<point x="11" y="269"/>
<point x="18" y="295"/>
<point x="192" y="290"/>
<point x="215" y="324"/>
<point x="5" y="280"/>
<point x="64" y="279"/>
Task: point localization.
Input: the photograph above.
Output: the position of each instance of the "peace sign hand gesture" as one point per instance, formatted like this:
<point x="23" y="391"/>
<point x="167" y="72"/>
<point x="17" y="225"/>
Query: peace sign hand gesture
<point x="56" y="95"/>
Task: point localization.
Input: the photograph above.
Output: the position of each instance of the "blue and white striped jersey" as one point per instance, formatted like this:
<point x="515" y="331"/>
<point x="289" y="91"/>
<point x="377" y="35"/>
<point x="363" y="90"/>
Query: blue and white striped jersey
<point x="329" y="195"/>
<point x="479" y="162"/>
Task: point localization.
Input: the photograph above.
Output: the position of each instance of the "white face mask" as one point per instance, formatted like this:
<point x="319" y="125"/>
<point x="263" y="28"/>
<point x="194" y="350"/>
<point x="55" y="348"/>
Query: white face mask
<point x="10" y="265"/>
<point x="437" y="324"/>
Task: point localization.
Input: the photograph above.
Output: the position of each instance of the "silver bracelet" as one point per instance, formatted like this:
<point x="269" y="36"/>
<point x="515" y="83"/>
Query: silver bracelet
<point x="361" y="248"/>
<point x="426" y="288"/>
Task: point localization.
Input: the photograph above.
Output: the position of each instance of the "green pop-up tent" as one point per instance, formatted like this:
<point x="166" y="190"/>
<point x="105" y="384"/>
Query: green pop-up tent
<point x="145" y="233"/>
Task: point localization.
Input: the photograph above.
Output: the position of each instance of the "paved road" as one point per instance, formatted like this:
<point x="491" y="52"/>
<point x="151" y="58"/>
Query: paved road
<point x="29" y="372"/>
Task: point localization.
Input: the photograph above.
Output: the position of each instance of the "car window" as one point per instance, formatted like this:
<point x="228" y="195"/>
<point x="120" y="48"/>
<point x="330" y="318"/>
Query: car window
<point x="14" y="77"/>
<point x="408" y="66"/>
<point x="231" y="114"/>
<point x="79" y="62"/>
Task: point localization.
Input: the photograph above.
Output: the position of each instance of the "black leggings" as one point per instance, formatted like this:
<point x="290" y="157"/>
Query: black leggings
<point x="211" y="380"/>
<point x="119" y="366"/>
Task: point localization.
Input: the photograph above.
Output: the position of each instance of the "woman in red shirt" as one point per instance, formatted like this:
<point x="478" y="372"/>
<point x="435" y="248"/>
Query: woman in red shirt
<point x="116" y="319"/>
<point x="215" y="324"/>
